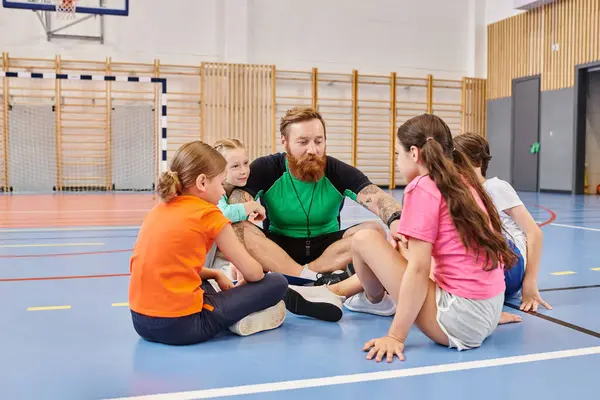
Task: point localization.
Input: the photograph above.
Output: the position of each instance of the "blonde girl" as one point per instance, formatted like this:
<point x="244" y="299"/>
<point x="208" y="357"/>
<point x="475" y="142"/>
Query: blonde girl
<point x="238" y="171"/>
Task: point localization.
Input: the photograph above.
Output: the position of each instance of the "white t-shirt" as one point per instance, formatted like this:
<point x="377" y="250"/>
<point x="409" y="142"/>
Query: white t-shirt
<point x="505" y="197"/>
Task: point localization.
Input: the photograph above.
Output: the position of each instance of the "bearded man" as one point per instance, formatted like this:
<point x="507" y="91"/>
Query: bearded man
<point x="303" y="191"/>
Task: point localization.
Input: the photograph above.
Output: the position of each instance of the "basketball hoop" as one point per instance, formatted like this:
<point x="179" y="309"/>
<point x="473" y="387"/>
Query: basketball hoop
<point x="66" y="9"/>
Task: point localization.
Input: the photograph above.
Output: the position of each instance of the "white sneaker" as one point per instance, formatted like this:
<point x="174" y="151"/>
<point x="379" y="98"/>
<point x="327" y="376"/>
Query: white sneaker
<point x="314" y="301"/>
<point x="360" y="303"/>
<point x="267" y="319"/>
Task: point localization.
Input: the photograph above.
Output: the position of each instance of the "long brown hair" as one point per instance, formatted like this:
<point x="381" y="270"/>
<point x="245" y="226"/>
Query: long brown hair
<point x="476" y="148"/>
<point x="453" y="180"/>
<point x="190" y="161"/>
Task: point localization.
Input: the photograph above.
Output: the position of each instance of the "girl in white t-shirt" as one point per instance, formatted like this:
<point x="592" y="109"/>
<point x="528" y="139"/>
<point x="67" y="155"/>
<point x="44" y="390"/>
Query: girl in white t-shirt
<point x="522" y="232"/>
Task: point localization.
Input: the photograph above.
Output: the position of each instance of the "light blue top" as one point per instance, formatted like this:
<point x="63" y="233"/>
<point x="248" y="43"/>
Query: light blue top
<point x="233" y="212"/>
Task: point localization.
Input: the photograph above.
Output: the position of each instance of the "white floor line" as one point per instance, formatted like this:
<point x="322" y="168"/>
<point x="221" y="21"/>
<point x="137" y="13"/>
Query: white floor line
<point x="366" y="377"/>
<point x="584" y="228"/>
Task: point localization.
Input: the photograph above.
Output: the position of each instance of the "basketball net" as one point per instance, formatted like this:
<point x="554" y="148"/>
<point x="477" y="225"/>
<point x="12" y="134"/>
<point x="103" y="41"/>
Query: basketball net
<point x="65" y="9"/>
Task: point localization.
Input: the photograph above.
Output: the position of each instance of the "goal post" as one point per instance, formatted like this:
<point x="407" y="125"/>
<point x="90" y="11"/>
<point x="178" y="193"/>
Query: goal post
<point x="85" y="133"/>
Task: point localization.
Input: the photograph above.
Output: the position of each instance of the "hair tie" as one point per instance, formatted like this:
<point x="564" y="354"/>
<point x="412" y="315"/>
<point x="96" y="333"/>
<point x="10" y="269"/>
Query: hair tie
<point x="430" y="138"/>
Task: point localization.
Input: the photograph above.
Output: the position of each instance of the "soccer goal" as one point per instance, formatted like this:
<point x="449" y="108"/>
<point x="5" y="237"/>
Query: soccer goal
<point x="63" y="132"/>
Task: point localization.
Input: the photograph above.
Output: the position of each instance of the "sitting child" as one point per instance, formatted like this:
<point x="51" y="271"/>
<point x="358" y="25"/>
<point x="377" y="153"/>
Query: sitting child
<point x="170" y="299"/>
<point x="238" y="170"/>
<point x="447" y="218"/>
<point x="523" y="233"/>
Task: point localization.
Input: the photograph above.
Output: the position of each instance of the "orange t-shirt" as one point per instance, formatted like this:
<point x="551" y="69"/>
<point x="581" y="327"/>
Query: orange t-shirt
<point x="168" y="255"/>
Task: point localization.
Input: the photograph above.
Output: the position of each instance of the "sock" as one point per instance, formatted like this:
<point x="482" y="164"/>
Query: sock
<point x="308" y="274"/>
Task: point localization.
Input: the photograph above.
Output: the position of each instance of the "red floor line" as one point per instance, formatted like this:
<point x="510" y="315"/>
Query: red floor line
<point x="552" y="215"/>
<point x="65" y="254"/>
<point x="54" y="278"/>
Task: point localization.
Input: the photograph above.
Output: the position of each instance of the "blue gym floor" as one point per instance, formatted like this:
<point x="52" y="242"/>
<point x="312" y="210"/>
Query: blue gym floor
<point x="72" y="338"/>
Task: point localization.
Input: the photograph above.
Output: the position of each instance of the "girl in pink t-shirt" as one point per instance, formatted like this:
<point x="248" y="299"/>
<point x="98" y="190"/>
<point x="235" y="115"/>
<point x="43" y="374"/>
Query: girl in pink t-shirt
<point x="447" y="216"/>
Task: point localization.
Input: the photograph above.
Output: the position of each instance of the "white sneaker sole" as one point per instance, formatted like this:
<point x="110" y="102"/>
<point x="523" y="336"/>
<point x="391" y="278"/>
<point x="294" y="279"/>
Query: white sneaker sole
<point x="264" y="320"/>
<point x="308" y="301"/>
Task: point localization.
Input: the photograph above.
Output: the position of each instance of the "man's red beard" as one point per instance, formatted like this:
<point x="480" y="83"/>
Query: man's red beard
<point x="308" y="168"/>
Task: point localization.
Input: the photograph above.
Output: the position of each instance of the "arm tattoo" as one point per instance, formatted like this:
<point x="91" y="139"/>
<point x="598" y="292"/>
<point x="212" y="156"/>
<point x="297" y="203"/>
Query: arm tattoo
<point x="239" y="196"/>
<point x="378" y="202"/>
<point x="365" y="197"/>
<point x="386" y="206"/>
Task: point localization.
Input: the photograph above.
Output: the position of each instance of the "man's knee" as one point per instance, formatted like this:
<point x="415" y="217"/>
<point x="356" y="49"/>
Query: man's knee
<point x="364" y="238"/>
<point x="374" y="226"/>
<point x="369" y="225"/>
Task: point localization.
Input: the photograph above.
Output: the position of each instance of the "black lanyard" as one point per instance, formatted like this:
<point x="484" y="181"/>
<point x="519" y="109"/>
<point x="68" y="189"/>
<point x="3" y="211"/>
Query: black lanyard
<point x="307" y="246"/>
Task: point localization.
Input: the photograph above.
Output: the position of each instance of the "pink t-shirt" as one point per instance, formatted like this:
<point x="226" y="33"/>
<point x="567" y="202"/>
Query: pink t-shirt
<point x="425" y="216"/>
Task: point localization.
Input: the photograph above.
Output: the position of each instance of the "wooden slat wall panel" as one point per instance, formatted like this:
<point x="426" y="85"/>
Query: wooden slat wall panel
<point x="548" y="41"/>
<point x="237" y="103"/>
<point x="475" y="106"/>
<point x="210" y="101"/>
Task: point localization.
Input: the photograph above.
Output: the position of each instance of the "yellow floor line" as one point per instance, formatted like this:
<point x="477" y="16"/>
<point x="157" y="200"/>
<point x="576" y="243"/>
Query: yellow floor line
<point x="563" y="273"/>
<point x="48" y="308"/>
<point x="50" y="245"/>
<point x="120" y="304"/>
<point x="595" y="269"/>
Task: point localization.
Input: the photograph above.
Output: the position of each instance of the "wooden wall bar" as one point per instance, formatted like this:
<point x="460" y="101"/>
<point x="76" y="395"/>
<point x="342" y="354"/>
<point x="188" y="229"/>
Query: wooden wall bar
<point x="548" y="41"/>
<point x="210" y="101"/>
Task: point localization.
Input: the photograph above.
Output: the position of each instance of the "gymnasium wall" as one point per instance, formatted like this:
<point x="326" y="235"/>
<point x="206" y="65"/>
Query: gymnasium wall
<point x="234" y="67"/>
<point x="549" y="41"/>
<point x="376" y="37"/>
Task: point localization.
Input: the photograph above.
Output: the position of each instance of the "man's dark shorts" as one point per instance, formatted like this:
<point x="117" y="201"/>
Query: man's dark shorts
<point x="296" y="248"/>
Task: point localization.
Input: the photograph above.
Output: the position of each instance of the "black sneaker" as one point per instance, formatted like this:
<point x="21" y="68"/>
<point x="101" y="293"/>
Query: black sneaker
<point x="315" y="302"/>
<point x="331" y="278"/>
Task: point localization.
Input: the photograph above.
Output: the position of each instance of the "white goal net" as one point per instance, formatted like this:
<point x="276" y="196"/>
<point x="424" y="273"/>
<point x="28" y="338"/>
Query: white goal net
<point x="79" y="134"/>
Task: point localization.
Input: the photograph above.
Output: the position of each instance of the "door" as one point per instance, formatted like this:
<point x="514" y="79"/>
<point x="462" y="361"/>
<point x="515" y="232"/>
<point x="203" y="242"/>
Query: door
<point x="525" y="134"/>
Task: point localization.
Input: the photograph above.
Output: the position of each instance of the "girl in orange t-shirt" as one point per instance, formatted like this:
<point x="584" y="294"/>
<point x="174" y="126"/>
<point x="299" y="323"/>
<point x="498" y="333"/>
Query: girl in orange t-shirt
<point x="170" y="298"/>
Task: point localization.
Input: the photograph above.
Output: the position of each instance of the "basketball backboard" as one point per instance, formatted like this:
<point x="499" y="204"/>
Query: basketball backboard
<point x="98" y="7"/>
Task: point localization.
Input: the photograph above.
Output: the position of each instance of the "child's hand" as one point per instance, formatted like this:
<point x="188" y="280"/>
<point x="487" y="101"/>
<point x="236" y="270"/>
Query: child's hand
<point x="508" y="318"/>
<point x="255" y="212"/>
<point x="223" y="281"/>
<point x="532" y="298"/>
<point x="254" y="217"/>
<point x="259" y="213"/>
<point x="386" y="346"/>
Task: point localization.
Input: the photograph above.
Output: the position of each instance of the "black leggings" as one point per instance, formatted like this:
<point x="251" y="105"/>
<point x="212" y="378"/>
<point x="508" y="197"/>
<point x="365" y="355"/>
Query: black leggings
<point x="229" y="307"/>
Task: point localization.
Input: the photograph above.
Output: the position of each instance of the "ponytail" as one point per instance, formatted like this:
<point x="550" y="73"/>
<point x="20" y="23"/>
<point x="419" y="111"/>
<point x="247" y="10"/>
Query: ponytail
<point x="168" y="186"/>
<point x="190" y="161"/>
<point x="454" y="177"/>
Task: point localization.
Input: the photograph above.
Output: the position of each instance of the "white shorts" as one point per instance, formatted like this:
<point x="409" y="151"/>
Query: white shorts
<point x="466" y="322"/>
